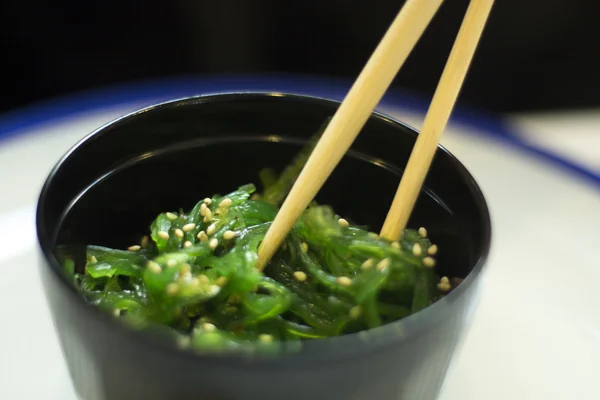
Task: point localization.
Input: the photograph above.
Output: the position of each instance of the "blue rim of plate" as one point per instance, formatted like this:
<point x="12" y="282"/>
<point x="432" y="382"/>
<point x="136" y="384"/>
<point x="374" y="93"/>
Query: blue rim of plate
<point x="22" y="120"/>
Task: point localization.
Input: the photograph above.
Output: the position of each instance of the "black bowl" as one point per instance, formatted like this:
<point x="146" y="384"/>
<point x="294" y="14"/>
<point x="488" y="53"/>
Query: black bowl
<point x="109" y="187"/>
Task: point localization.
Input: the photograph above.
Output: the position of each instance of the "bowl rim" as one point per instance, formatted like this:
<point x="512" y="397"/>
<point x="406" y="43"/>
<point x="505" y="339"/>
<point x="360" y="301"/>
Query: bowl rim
<point x="320" y="351"/>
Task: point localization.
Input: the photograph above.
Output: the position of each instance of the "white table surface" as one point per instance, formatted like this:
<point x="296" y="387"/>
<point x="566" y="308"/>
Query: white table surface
<point x="574" y="135"/>
<point x="536" y="330"/>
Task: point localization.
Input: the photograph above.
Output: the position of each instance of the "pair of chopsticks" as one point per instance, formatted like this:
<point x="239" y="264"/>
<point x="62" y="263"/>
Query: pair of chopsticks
<point x="359" y="103"/>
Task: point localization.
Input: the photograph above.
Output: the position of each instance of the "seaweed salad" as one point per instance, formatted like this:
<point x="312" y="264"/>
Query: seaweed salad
<point x="194" y="274"/>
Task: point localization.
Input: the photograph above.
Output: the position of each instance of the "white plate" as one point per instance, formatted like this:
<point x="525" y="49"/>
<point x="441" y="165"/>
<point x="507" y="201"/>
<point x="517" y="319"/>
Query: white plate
<point x="536" y="331"/>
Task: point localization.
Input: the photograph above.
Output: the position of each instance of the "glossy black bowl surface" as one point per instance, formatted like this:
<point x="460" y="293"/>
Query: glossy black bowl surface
<point x="109" y="187"/>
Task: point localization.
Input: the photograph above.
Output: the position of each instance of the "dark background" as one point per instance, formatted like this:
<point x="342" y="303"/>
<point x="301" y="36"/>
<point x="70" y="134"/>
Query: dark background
<point x="535" y="54"/>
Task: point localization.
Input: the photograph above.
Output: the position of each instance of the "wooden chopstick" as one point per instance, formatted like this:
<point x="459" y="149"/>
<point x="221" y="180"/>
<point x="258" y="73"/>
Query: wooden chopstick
<point x="366" y="92"/>
<point x="436" y="119"/>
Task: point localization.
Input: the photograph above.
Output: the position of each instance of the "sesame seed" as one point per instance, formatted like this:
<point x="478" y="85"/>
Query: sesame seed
<point x="214" y="242"/>
<point x="203" y="209"/>
<point x="445" y="280"/>
<point x="203" y="237"/>
<point x="264" y="338"/>
<point x="208" y="327"/>
<point x="422" y="232"/>
<point x="344" y="280"/>
<point x="228" y="235"/>
<point x="178" y="233"/>
<point x="144" y="242"/>
<point x="187" y="244"/>
<point x="171" y="263"/>
<point x="343" y="223"/>
<point x="432" y="250"/>
<point x="214" y="290"/>
<point x="172" y="288"/>
<point x="185" y="277"/>
<point x="93" y="259"/>
<point x="135" y="247"/>
<point x="300" y="276"/>
<point x="225" y="203"/>
<point x="203" y="279"/>
<point x="304" y="247"/>
<point x="185" y="269"/>
<point x="154" y="267"/>
<point x="395" y="245"/>
<point x="207" y="201"/>
<point x="212" y="228"/>
<point x="163" y="235"/>
<point x="368" y="264"/>
<point x="218" y="212"/>
<point x="384" y="264"/>
<point x="355" y="312"/>
<point x="189" y="227"/>
<point x="208" y="216"/>
<point x="417" y="250"/>
<point x="429" y="262"/>
<point x="442" y="287"/>
<point x="171" y="216"/>
<point x="221" y="281"/>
